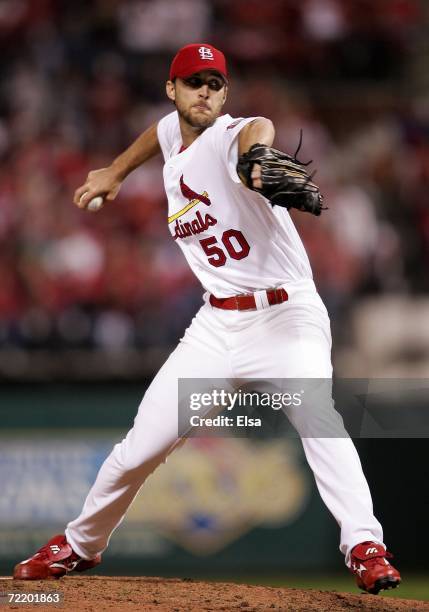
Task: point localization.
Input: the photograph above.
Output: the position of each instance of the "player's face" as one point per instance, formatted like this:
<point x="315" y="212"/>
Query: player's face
<point x="199" y="98"/>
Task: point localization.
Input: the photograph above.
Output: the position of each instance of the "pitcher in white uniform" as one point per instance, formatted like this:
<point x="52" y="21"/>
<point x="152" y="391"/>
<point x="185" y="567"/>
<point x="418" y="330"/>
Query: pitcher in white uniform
<point x="262" y="318"/>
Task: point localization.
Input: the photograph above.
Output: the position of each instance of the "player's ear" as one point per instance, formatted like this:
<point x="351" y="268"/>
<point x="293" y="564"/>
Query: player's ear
<point x="225" y="94"/>
<point x="170" y="88"/>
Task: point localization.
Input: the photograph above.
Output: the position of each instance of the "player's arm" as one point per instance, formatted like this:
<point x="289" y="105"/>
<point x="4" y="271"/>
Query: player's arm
<point x="261" y="131"/>
<point x="106" y="182"/>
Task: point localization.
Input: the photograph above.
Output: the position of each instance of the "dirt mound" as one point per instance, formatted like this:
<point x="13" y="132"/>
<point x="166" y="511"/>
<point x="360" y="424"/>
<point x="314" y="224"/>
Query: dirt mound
<point x="95" y="593"/>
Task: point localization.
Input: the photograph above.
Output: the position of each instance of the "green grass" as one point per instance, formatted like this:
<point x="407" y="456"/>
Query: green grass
<point x="412" y="587"/>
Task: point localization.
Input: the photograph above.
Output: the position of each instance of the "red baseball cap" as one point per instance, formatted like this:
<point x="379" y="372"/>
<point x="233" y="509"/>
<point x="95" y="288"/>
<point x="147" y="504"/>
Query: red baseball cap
<point x="196" y="57"/>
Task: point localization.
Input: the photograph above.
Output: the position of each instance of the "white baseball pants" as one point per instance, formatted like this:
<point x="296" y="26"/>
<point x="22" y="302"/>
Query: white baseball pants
<point x="289" y="340"/>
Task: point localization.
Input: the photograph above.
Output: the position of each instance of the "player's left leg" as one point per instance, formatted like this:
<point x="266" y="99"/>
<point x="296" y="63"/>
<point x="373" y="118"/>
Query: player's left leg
<point x="292" y="341"/>
<point x="155" y="433"/>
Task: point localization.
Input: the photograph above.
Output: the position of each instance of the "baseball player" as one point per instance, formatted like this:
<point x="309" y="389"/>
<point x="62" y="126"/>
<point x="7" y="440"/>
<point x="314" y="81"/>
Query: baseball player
<point x="228" y="195"/>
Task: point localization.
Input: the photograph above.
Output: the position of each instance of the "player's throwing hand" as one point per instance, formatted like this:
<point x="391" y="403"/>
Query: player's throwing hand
<point x="106" y="182"/>
<point x="103" y="182"/>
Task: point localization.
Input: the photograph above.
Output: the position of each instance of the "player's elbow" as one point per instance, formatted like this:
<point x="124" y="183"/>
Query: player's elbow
<point x="266" y="130"/>
<point x="260" y="131"/>
<point x="266" y="125"/>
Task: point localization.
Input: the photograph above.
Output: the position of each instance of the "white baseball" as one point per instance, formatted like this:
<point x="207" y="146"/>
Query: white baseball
<point x="95" y="204"/>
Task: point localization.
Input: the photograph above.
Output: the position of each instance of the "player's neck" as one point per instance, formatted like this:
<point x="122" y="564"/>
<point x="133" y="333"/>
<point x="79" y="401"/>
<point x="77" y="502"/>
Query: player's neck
<point x="189" y="133"/>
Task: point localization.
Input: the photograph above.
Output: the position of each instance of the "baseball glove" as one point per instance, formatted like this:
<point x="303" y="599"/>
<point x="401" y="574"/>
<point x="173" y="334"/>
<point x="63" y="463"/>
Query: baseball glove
<point x="285" y="180"/>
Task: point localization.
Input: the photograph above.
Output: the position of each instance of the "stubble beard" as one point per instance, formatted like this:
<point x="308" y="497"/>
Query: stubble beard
<point x="198" y="124"/>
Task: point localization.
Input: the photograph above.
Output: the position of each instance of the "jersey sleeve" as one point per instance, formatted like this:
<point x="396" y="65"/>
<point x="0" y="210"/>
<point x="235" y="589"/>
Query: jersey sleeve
<point x="227" y="143"/>
<point x="168" y="133"/>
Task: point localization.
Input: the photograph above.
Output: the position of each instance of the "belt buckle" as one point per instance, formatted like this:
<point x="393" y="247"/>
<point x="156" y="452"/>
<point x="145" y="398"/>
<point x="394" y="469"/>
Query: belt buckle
<point x="261" y="299"/>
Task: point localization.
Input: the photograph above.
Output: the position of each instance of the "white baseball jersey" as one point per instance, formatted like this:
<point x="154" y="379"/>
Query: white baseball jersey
<point x="233" y="239"/>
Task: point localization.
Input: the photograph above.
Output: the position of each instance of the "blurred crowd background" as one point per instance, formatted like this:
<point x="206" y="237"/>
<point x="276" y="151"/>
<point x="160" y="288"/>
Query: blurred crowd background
<point x="80" y="80"/>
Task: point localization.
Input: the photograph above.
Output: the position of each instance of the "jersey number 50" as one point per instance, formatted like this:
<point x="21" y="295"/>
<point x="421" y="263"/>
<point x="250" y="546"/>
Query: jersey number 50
<point x="230" y="239"/>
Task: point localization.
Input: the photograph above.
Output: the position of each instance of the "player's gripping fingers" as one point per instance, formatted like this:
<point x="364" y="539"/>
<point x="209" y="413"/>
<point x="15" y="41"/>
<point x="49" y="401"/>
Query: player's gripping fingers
<point x="79" y="197"/>
<point x="92" y="188"/>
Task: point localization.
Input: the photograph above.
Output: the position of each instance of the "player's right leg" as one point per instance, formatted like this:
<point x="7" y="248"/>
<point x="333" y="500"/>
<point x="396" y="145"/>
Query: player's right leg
<point x="291" y="342"/>
<point x="200" y="355"/>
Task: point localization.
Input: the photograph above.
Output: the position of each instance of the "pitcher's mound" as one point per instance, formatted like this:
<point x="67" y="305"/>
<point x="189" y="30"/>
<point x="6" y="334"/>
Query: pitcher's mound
<point x="95" y="593"/>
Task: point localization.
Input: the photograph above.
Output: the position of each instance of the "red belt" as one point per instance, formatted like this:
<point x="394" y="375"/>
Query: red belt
<point x="249" y="302"/>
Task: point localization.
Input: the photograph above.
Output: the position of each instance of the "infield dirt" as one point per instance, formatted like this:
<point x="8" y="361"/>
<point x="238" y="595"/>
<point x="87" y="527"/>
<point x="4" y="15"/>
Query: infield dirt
<point x="98" y="593"/>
